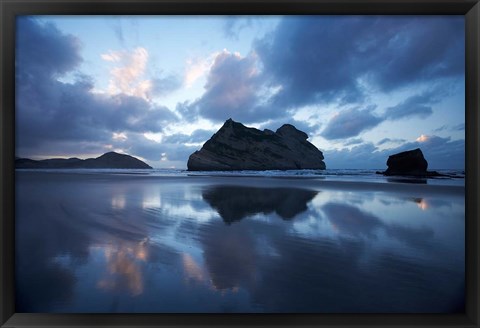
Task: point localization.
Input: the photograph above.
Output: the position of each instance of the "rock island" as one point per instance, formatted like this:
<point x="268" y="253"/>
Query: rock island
<point x="237" y="147"/>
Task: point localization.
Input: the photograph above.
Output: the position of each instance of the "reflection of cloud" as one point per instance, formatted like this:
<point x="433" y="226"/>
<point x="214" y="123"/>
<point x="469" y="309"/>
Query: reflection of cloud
<point x="350" y="220"/>
<point x="421" y="203"/>
<point x="234" y="203"/>
<point x="118" y="201"/>
<point x="230" y="255"/>
<point x="192" y="269"/>
<point x="152" y="200"/>
<point x="123" y="269"/>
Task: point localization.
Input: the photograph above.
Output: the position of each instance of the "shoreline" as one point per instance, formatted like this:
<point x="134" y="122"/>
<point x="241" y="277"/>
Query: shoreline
<point x="299" y="182"/>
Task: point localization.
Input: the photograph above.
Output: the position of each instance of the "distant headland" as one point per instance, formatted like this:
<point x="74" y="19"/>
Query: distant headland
<point x="110" y="160"/>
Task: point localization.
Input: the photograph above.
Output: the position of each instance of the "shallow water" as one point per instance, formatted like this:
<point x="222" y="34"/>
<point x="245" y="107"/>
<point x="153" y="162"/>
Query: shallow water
<point x="103" y="243"/>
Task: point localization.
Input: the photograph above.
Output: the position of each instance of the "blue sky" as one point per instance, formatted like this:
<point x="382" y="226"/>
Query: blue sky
<point x="157" y="87"/>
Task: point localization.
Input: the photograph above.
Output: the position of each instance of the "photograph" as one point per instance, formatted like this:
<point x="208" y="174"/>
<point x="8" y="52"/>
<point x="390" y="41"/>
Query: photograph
<point x="260" y="164"/>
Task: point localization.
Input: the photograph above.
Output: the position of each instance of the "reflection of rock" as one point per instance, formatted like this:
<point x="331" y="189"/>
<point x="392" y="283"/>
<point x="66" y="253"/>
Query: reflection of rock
<point x="234" y="203"/>
<point x="236" y="147"/>
<point x="410" y="162"/>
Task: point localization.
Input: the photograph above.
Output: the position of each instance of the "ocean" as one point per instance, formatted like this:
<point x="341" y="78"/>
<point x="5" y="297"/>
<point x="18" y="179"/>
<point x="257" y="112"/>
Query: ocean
<point x="452" y="177"/>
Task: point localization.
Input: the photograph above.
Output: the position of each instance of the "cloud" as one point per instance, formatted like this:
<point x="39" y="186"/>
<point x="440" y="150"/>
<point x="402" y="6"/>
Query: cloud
<point x="161" y="86"/>
<point x="389" y="140"/>
<point x="315" y="60"/>
<point x="43" y="51"/>
<point x="54" y="117"/>
<point x="310" y="128"/>
<point x="351" y="142"/>
<point x="323" y="65"/>
<point x="445" y="127"/>
<point x="419" y="105"/>
<point x="197" y="68"/>
<point x="350" y="123"/>
<point x="197" y="136"/>
<point x="233" y="25"/>
<point x="127" y="78"/>
<point x="231" y="90"/>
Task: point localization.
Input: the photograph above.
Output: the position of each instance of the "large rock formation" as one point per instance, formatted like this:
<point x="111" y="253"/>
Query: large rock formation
<point x="410" y="162"/>
<point x="237" y="147"/>
<point x="110" y="160"/>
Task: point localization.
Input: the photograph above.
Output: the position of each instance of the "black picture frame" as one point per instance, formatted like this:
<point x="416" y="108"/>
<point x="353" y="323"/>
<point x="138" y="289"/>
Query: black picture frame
<point x="11" y="8"/>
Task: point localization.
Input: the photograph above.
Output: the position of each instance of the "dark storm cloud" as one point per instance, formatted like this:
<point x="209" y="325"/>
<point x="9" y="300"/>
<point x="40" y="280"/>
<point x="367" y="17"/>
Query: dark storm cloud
<point x="350" y="123"/>
<point x="235" y="89"/>
<point x="43" y="51"/>
<point x="387" y="140"/>
<point x="324" y="58"/>
<point x="334" y="59"/>
<point x="49" y="113"/>
<point x="419" y="105"/>
<point x="231" y="91"/>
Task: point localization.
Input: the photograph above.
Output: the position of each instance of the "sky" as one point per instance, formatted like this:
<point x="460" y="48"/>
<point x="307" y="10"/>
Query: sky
<point x="158" y="87"/>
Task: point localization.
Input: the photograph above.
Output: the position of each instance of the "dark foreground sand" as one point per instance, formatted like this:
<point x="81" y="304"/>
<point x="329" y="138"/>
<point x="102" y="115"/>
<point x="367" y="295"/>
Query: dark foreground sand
<point x="135" y="243"/>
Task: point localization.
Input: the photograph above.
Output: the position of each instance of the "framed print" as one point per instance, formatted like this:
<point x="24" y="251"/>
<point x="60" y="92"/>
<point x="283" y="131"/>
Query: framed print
<point x="203" y="163"/>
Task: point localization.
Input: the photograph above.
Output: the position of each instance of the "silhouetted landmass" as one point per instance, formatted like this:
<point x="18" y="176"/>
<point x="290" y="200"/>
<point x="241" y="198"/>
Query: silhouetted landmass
<point x="409" y="163"/>
<point x="110" y="160"/>
<point x="237" y="147"/>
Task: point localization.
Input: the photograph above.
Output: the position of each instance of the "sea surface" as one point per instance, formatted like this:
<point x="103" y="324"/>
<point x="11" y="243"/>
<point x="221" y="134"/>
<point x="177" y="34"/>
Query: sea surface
<point x="172" y="241"/>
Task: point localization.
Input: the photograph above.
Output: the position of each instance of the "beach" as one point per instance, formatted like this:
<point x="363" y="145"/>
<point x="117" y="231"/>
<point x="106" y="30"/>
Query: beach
<point x="141" y="243"/>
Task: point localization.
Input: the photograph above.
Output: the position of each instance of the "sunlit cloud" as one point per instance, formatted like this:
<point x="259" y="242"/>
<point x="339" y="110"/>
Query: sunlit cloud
<point x="119" y="136"/>
<point x="422" y="138"/>
<point x="128" y="78"/>
<point x="197" y="68"/>
<point x="112" y="56"/>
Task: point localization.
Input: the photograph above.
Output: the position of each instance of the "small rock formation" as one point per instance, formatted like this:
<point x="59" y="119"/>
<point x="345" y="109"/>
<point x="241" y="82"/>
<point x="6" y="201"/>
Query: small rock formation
<point x="410" y="162"/>
<point x="110" y="160"/>
<point x="237" y="147"/>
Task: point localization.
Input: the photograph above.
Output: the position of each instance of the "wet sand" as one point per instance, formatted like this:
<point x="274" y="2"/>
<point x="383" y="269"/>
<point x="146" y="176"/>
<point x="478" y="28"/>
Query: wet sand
<point x="135" y="243"/>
